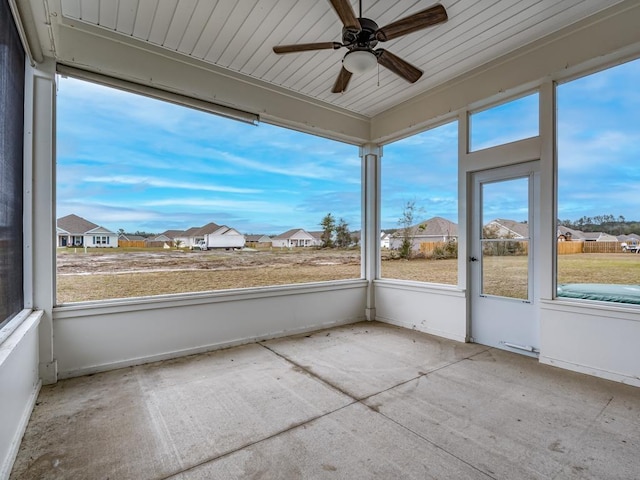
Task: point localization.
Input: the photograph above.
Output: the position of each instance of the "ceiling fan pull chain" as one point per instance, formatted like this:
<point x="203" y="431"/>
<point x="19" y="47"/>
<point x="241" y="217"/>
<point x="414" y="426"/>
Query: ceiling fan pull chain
<point x="378" y="75"/>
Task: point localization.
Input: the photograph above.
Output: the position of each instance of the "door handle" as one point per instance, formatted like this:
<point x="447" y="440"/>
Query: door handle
<point x="473" y="259"/>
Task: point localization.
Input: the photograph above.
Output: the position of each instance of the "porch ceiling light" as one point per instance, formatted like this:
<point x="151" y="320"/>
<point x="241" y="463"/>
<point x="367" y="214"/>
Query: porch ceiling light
<point x="359" y="61"/>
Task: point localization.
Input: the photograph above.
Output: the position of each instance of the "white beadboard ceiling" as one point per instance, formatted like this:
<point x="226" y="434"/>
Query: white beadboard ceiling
<point x="239" y="36"/>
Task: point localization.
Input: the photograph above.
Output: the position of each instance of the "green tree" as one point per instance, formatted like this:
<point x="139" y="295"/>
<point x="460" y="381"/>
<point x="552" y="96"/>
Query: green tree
<point x="343" y="236"/>
<point x="328" y="225"/>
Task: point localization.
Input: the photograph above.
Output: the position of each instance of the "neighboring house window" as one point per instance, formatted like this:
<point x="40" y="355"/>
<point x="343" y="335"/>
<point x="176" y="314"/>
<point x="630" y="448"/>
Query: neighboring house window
<point x="156" y="170"/>
<point x="598" y="185"/>
<point x="12" y="64"/>
<point x="420" y="207"/>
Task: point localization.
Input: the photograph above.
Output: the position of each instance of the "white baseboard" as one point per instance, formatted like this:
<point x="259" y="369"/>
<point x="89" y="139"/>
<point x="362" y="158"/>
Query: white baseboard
<point x="596" y="372"/>
<point x="422" y="328"/>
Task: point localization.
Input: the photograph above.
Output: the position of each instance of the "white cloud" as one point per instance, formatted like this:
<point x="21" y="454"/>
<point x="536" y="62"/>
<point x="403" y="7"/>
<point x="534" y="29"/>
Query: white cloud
<point x="165" y="183"/>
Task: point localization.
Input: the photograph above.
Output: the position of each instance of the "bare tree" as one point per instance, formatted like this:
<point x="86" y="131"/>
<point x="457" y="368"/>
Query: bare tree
<point x="407" y="231"/>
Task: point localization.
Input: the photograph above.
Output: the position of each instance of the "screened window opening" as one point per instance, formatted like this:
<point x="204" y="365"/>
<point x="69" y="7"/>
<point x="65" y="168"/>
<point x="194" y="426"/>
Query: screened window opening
<point x="155" y="198"/>
<point x="598" y="228"/>
<point x="419" y="207"/>
<point x="12" y="61"/>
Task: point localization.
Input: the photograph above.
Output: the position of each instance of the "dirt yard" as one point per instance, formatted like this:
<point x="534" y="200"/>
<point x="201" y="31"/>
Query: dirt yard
<point x="103" y="274"/>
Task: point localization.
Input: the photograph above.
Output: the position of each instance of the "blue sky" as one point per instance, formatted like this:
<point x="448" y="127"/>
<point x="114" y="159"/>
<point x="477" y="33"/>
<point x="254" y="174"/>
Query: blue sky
<point x="599" y="144"/>
<point x="126" y="161"/>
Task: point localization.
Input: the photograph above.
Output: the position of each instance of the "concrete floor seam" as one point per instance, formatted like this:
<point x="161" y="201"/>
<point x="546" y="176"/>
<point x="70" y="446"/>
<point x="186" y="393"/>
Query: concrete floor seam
<point x="261" y="440"/>
<point x="376" y="410"/>
<point x="310" y="373"/>
<point x="439" y="447"/>
<point x="424" y="374"/>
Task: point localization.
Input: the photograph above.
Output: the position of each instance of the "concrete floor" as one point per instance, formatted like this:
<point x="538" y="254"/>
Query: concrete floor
<point x="357" y="402"/>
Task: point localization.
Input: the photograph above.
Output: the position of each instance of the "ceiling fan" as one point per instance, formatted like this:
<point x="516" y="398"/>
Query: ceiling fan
<point x="361" y="35"/>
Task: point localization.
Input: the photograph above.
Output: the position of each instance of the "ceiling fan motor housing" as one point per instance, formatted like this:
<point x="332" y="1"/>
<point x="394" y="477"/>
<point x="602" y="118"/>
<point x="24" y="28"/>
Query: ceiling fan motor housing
<point x="364" y="39"/>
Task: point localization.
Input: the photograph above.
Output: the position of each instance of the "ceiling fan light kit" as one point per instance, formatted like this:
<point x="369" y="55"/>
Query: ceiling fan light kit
<point x="359" y="61"/>
<point x="361" y="35"/>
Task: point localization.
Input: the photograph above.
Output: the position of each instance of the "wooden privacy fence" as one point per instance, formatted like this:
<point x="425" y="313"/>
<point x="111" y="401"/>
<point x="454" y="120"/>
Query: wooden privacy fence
<point x="602" y="247"/>
<point x="564" y="248"/>
<point x="427" y="248"/>
<point x="139" y="244"/>
<point x="567" y="248"/>
<point x="132" y="243"/>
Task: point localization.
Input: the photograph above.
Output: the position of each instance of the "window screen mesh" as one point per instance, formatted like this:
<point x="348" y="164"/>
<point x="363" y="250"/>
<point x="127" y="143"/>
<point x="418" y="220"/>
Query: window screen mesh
<point x="11" y="139"/>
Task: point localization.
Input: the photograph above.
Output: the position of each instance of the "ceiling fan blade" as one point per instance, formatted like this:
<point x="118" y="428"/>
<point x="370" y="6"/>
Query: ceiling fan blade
<point x="398" y="66"/>
<point x="342" y="81"/>
<point x="345" y="12"/>
<point x="303" y="47"/>
<point x="412" y="23"/>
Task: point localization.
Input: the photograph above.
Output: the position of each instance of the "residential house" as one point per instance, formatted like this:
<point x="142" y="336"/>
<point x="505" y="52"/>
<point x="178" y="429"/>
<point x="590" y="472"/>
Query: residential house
<point x="566" y="234"/>
<point x="503" y="228"/>
<point x="598" y="237"/>
<point x="212" y="235"/>
<point x="385" y="240"/>
<point x="131" y="238"/>
<point x="296" y="237"/>
<point x="188" y="238"/>
<point x="221" y="236"/>
<point x="75" y="231"/>
<point x="573" y="235"/>
<point x="436" y="229"/>
<point x="317" y="235"/>
<point x="161" y="238"/>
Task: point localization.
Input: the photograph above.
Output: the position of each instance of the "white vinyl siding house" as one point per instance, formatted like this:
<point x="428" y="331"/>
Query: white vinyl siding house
<point x="213" y="236"/>
<point x="75" y="231"/>
<point x="436" y="229"/>
<point x="296" y="237"/>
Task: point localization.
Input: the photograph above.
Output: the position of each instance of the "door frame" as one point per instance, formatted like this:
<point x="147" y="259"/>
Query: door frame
<point x="528" y="309"/>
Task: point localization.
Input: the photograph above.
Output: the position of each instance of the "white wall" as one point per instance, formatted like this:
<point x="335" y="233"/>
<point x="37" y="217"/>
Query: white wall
<point x="438" y="310"/>
<point x="597" y="339"/>
<point x="116" y="334"/>
<point x="19" y="384"/>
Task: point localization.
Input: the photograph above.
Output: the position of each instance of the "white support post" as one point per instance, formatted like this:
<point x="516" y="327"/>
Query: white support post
<point x="464" y="212"/>
<point x="548" y="204"/>
<point x="40" y="218"/>
<point x="370" y="237"/>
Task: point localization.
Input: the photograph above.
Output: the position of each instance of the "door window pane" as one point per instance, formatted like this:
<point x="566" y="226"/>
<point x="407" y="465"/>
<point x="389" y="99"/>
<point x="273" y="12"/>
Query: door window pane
<point x="505" y="238"/>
